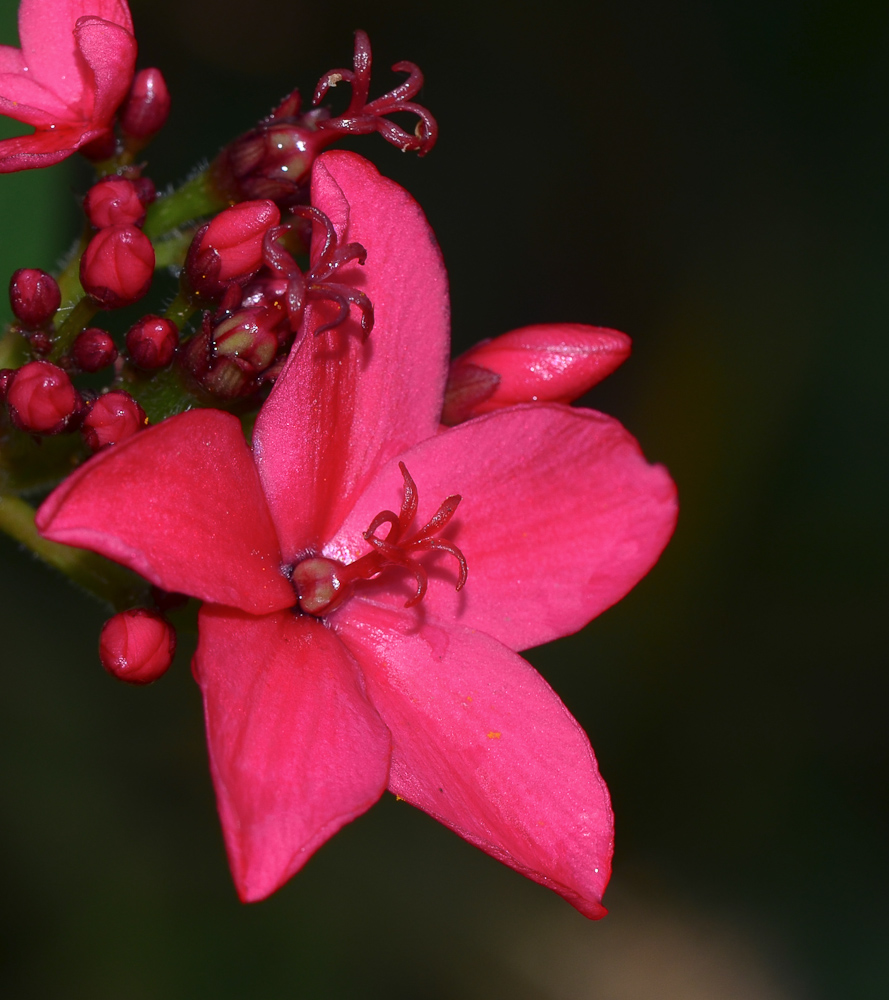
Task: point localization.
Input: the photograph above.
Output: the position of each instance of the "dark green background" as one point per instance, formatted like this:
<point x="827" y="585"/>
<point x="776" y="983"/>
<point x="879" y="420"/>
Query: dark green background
<point x="711" y="178"/>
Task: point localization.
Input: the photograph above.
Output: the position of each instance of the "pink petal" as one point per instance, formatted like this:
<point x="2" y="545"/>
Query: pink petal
<point x="43" y="148"/>
<point x="343" y="407"/>
<point x="296" y="749"/>
<point x="482" y="743"/>
<point x="28" y="101"/>
<point x="181" y="504"/>
<point x="46" y="30"/>
<point x="561" y="516"/>
<point x="110" y="53"/>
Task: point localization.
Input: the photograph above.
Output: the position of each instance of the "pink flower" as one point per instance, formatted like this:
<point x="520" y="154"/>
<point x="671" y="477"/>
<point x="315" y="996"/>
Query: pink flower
<point x="311" y="716"/>
<point x="71" y="74"/>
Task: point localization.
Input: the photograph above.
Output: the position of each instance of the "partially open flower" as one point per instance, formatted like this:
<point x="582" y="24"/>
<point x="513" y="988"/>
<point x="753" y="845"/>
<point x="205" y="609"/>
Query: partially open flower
<point x="42" y="399"/>
<point x="230" y="246"/>
<point x="550" y="363"/>
<point x="68" y="79"/>
<point x="112" y="418"/>
<point x="137" y="646"/>
<point x="117" y="266"/>
<point x="34" y="296"/>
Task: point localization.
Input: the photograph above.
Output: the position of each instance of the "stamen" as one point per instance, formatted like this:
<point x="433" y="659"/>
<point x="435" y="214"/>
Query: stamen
<point x="323" y="584"/>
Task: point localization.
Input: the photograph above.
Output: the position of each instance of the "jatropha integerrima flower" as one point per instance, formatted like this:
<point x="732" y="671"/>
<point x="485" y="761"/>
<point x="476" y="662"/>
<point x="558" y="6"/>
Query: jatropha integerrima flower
<point x="331" y="668"/>
<point x="273" y="160"/>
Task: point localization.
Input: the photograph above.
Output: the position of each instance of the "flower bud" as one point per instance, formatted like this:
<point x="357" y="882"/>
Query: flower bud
<point x="34" y="296"/>
<point x="137" y="646"/>
<point x="41" y="398"/>
<point x="112" y="418"/>
<point x="152" y="342"/>
<point x="248" y="338"/>
<point x="93" y="349"/>
<point x="114" y="201"/>
<point x="117" y="266"/>
<point x="146" y="108"/>
<point x="556" y="363"/>
<point x="230" y="246"/>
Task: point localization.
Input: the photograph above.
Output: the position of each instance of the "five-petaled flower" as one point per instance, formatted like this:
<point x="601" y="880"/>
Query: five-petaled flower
<point x="313" y="708"/>
<point x="71" y="74"/>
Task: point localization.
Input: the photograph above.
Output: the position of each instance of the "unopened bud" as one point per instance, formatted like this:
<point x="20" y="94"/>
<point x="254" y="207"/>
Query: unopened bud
<point x="152" y="342"/>
<point x="112" y="418"/>
<point x="41" y="398"/>
<point x="117" y="266"/>
<point x="556" y="363"/>
<point x="93" y="349"/>
<point x="137" y="646"/>
<point x="230" y="246"/>
<point x="249" y="338"/>
<point x="147" y="106"/>
<point x="114" y="201"/>
<point x="34" y="296"/>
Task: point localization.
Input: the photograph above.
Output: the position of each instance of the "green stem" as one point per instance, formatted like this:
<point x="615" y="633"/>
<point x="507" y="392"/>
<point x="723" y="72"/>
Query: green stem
<point x="195" y="198"/>
<point x="14" y="350"/>
<point x="180" y="310"/>
<point x="78" y="318"/>
<point x="171" y="252"/>
<point x="106" y="580"/>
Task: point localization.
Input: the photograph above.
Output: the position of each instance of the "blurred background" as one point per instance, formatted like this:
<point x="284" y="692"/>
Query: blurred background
<point x="710" y="177"/>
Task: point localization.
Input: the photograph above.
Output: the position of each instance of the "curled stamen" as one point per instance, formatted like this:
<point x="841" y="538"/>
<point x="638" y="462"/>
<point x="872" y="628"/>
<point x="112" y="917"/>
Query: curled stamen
<point x="362" y="117"/>
<point x="323" y="584"/>
<point x="316" y="285"/>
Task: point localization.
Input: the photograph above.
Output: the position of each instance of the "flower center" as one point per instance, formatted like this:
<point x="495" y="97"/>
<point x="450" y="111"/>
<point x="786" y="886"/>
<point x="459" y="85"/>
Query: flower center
<point x="323" y="584"/>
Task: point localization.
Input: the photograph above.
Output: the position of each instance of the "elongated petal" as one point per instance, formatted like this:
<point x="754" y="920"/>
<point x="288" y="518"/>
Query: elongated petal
<point x="296" y="749"/>
<point x="46" y="30"/>
<point x="181" y="504"/>
<point x="342" y="406"/>
<point x="109" y="51"/>
<point x="43" y="148"/>
<point x="482" y="743"/>
<point x="561" y="516"/>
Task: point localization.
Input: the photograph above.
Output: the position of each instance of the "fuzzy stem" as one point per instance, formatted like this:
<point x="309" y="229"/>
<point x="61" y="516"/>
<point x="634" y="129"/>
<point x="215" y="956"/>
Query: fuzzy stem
<point x="195" y="198"/>
<point x="104" y="579"/>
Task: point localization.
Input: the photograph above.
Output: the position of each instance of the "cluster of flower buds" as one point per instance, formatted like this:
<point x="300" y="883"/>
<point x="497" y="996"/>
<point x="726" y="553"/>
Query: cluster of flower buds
<point x="240" y="264"/>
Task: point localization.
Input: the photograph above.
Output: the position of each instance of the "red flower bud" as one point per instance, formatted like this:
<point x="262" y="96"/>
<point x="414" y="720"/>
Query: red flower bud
<point x="111" y="419"/>
<point x="117" y="266"/>
<point x="34" y="295"/>
<point x="93" y="350"/>
<point x="137" y="646"/>
<point x="114" y="201"/>
<point x="230" y="246"/>
<point x="556" y="363"/>
<point x="145" y="189"/>
<point x="152" y="342"/>
<point x="41" y="398"/>
<point x="147" y="106"/>
<point x="248" y="338"/>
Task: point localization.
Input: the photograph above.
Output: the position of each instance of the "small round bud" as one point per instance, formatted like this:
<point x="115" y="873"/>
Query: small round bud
<point x="114" y="201"/>
<point x="230" y="246"/>
<point x="40" y="342"/>
<point x="34" y="296"/>
<point x="147" y="106"/>
<point x="137" y="646"/>
<point x="93" y="349"/>
<point x="42" y="399"/>
<point x="248" y="338"/>
<point x="112" y="418"/>
<point x="117" y="266"/>
<point x="152" y="342"/>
